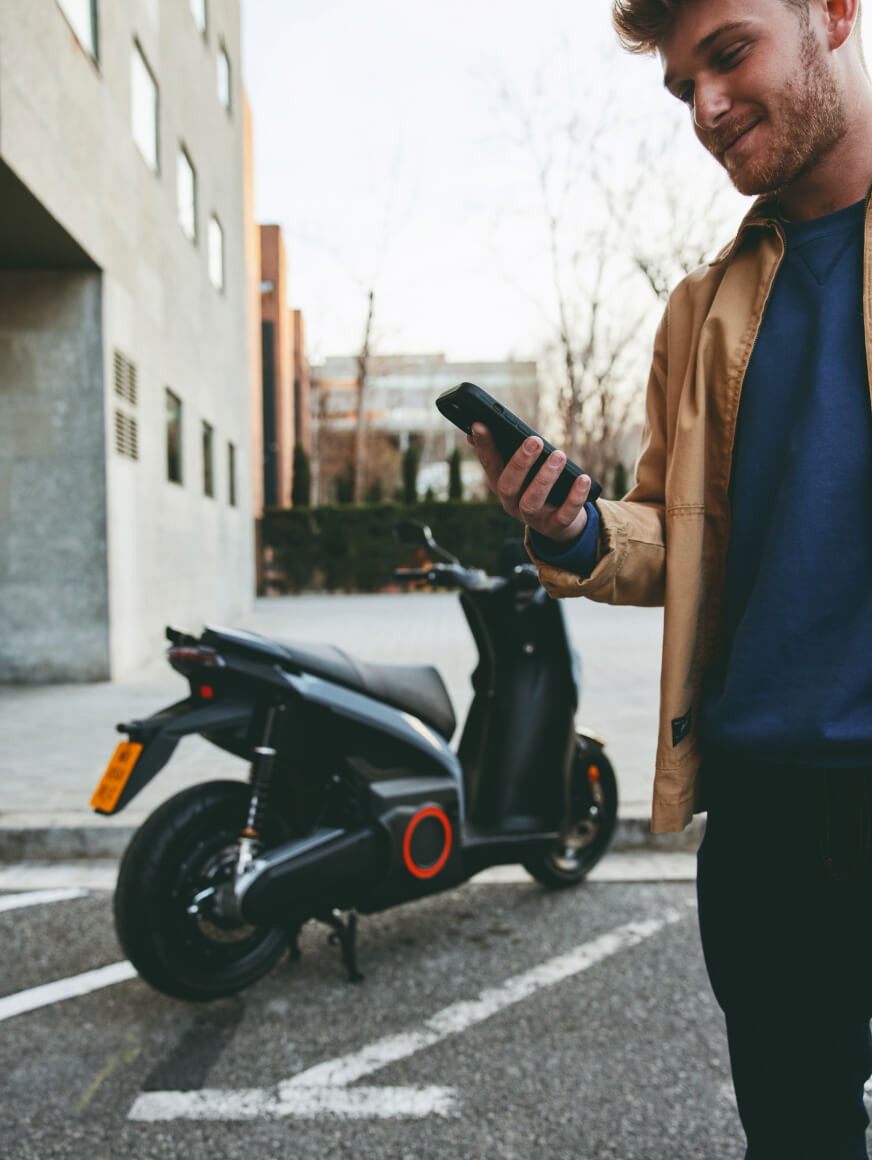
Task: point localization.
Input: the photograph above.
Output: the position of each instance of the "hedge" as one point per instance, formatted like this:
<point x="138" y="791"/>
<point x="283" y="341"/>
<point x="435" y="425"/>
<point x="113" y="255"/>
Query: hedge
<point x="353" y="548"/>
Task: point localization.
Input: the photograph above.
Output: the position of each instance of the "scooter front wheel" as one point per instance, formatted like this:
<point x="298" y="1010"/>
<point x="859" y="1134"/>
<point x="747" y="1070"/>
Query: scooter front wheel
<point x="594" y="797"/>
<point x="165" y="925"/>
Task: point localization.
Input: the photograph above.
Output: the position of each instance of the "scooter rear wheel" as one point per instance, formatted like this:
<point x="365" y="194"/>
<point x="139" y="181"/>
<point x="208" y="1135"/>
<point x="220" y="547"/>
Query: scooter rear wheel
<point x="186" y="846"/>
<point x="572" y="857"/>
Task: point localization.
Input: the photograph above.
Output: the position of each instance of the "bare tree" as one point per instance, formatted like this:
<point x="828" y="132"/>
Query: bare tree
<point x="361" y="381"/>
<point x="619" y="235"/>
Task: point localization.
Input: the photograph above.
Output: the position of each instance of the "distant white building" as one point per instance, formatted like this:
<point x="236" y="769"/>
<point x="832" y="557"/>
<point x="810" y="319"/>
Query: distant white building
<point x="125" y="463"/>
<point x="400" y="401"/>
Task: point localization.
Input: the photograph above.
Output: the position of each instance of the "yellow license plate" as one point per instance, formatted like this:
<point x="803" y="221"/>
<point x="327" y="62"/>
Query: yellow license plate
<point x="115" y="778"/>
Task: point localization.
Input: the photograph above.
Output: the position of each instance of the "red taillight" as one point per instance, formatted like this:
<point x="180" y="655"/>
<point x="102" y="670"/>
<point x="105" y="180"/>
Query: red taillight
<point x="206" y="692"/>
<point x="186" y="657"/>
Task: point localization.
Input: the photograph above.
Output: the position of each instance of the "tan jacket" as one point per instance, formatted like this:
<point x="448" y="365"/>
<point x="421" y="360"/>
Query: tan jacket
<point x="666" y="541"/>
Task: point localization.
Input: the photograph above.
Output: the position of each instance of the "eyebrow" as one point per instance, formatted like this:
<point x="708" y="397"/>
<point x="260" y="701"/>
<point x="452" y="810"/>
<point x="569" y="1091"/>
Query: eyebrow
<point x="706" y="43"/>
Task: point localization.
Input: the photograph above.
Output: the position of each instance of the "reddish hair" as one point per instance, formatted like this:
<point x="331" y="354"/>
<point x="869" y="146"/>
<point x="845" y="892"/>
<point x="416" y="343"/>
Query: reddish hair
<point x="642" y="24"/>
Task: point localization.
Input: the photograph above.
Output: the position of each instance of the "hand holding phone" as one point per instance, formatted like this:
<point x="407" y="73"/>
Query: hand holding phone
<point x="535" y="482"/>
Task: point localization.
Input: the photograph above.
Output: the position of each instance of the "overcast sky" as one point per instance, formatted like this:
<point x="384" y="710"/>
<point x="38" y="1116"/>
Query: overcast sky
<point x="383" y="148"/>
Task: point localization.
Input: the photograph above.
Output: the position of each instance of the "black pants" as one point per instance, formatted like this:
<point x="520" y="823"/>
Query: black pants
<point x="785" y="909"/>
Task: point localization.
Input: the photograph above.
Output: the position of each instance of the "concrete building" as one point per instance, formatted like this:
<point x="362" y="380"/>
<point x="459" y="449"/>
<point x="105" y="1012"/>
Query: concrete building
<point x="278" y="369"/>
<point x="399" y="404"/>
<point x="125" y="411"/>
<point x="285" y="391"/>
<point x="302" y="385"/>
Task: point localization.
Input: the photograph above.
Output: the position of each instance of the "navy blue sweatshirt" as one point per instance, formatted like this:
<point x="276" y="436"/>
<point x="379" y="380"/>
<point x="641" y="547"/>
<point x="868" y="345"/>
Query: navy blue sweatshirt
<point x="794" y="677"/>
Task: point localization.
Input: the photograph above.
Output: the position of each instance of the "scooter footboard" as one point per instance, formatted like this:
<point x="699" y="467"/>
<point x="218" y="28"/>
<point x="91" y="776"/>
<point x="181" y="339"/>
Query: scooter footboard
<point x="152" y="742"/>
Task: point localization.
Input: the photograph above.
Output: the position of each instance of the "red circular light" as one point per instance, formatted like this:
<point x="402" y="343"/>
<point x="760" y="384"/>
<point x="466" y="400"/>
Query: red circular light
<point x="411" y="865"/>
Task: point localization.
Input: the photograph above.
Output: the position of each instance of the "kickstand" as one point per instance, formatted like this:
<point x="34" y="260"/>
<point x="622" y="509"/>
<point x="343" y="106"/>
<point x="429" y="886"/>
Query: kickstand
<point x="344" y="936"/>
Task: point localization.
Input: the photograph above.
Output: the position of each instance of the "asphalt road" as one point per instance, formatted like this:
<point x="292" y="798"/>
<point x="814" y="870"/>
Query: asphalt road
<point x="496" y="1021"/>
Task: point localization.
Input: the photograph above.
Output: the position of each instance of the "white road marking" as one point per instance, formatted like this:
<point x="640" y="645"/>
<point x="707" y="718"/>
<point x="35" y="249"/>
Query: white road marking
<point x="87" y="874"/>
<point x="69" y="988"/>
<point x="35" y="897"/>
<point x="620" y="866"/>
<point x="386" y="1103"/>
<point x="324" y="1090"/>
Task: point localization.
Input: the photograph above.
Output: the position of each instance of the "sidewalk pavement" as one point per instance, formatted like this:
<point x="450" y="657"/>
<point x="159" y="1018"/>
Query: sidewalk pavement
<point x="57" y="739"/>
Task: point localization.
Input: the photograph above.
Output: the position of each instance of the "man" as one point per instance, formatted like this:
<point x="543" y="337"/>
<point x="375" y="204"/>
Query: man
<point x="751" y="521"/>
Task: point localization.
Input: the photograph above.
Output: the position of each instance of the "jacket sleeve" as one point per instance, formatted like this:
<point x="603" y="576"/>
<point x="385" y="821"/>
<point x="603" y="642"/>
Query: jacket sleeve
<point x="631" y="552"/>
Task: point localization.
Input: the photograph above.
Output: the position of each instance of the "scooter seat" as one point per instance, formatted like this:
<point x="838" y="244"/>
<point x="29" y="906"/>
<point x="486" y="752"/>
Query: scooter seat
<point x="416" y="689"/>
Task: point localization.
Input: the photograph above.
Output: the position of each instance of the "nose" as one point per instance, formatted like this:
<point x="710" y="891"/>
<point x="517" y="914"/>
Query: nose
<point x="710" y="102"/>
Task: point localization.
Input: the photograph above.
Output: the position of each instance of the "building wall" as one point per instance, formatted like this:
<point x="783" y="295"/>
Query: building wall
<point x="252" y="268"/>
<point x="302" y="384"/>
<point x="172" y="554"/>
<point x="280" y="336"/>
<point x="53" y="558"/>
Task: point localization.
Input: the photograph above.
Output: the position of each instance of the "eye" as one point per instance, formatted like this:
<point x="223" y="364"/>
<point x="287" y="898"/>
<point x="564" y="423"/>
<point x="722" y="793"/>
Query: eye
<point x="732" y="57"/>
<point x="685" y="94"/>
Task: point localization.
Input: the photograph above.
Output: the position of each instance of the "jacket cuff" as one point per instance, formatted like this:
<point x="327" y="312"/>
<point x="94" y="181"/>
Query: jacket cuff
<point x="557" y="581"/>
<point x="579" y="556"/>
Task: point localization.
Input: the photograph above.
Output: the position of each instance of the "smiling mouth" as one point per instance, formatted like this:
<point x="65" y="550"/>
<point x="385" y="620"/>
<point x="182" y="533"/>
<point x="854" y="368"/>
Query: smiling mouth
<point x="726" y="149"/>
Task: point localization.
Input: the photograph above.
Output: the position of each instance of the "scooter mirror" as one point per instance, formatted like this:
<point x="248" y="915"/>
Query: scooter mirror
<point x="411" y="532"/>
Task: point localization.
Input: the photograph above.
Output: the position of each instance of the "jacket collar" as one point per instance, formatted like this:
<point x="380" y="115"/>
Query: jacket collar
<point x="763" y="214"/>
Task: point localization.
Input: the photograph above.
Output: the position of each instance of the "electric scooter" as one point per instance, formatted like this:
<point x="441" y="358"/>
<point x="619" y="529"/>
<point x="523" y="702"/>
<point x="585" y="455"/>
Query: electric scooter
<point x="356" y="801"/>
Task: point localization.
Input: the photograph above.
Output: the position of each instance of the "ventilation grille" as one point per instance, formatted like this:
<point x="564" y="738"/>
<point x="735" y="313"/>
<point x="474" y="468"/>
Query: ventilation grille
<point x="126" y="435"/>
<point x="125" y="379"/>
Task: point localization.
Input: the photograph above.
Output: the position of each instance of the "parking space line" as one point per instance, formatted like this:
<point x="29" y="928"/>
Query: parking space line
<point x="49" y="993"/>
<point x="36" y="897"/>
<point x="316" y="1091"/>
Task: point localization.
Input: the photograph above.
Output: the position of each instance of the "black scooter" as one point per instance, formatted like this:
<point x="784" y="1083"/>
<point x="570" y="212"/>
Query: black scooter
<point x="355" y="802"/>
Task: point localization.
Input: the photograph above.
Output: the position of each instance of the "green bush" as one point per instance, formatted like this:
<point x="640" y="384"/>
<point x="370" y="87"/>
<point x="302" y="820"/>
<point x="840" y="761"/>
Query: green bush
<point x="352" y="548"/>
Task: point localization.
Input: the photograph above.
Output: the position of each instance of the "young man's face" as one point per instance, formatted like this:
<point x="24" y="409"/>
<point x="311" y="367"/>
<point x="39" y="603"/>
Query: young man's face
<point x="760" y="85"/>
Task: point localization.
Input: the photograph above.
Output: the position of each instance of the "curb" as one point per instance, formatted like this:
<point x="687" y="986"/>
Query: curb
<point x="71" y="843"/>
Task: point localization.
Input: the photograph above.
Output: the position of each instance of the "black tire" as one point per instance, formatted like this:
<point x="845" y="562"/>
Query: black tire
<point x="567" y="864"/>
<point x="186" y="844"/>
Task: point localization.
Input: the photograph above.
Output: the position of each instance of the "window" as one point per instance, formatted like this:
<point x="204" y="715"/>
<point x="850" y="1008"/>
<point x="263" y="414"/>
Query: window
<point x="143" y="108"/>
<point x="216" y="253"/>
<point x="124" y="375"/>
<point x="186" y="189"/>
<point x="231" y="474"/>
<point x="224" y="78"/>
<point x="126" y="428"/>
<point x="174" y="437"/>
<point x="126" y="435"/>
<point x="208" y="475"/>
<point x="82" y="18"/>
<point x="198" y="11"/>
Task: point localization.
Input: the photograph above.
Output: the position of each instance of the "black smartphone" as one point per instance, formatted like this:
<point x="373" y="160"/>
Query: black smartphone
<point x="466" y="404"/>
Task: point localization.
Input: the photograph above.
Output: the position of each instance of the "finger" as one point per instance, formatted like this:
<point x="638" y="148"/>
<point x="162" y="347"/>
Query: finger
<point x="569" y="520"/>
<point x="535" y="498"/>
<point x="487" y="453"/>
<point x="511" y="482"/>
<point x="567" y="513"/>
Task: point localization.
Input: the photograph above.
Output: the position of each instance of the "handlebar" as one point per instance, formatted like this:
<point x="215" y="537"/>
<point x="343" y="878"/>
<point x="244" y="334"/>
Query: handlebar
<point x="470" y="579"/>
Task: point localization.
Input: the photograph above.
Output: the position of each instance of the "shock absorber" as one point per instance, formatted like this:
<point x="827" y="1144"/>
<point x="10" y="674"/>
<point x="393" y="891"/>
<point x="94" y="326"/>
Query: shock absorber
<point x="259" y="780"/>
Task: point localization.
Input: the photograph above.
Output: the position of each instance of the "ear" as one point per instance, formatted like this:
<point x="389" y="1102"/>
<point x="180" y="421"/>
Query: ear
<point x="841" y="16"/>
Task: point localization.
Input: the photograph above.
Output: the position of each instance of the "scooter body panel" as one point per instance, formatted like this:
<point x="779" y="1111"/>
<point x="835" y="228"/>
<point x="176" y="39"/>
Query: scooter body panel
<point x="376" y="739"/>
<point x="518" y="741"/>
<point x="160" y="734"/>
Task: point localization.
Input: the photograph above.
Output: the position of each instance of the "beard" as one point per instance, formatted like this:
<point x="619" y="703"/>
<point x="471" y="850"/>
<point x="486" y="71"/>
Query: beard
<point x="808" y="120"/>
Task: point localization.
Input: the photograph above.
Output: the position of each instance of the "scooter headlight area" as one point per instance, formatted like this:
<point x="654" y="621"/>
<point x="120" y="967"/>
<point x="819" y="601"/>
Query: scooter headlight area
<point x="356" y="800"/>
